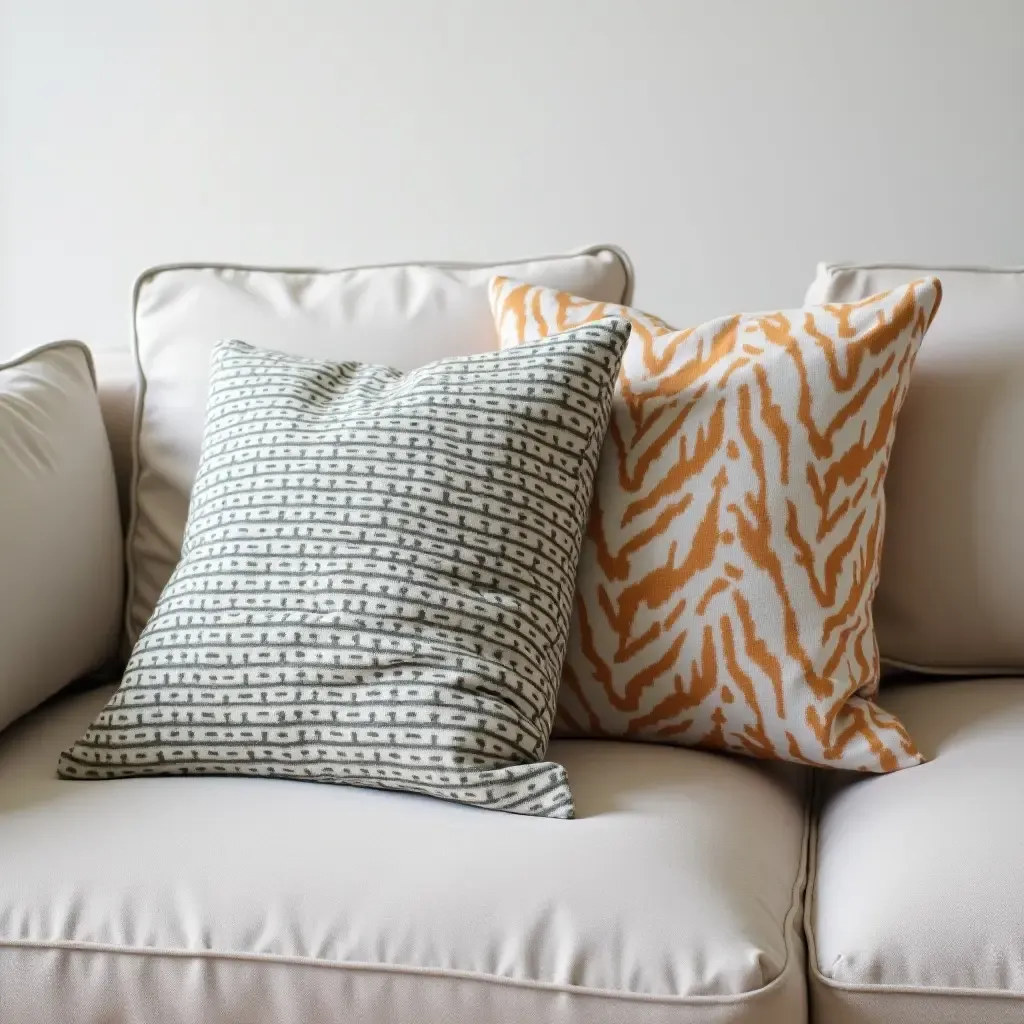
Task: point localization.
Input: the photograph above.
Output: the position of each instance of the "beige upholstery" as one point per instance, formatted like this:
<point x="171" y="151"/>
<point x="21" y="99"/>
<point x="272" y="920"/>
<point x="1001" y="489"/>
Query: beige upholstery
<point x="916" y="913"/>
<point x="115" y="378"/>
<point x="403" y="316"/>
<point x="674" y="897"/>
<point x="61" y="569"/>
<point x="951" y="595"/>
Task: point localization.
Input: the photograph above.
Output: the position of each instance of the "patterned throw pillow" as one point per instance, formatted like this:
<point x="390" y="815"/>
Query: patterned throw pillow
<point x="377" y="576"/>
<point x="725" y="587"/>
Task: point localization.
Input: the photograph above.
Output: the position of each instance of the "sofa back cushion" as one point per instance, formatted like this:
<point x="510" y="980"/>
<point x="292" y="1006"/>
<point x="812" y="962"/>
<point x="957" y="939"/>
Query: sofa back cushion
<point x="402" y="315"/>
<point x="951" y="594"/>
<point x="60" y="543"/>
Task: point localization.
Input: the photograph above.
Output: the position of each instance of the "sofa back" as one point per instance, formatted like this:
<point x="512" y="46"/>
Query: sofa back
<point x="951" y="595"/>
<point x="403" y="315"/>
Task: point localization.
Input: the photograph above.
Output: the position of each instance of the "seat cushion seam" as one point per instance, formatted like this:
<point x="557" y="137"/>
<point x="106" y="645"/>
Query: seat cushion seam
<point x="427" y="972"/>
<point x="790" y="923"/>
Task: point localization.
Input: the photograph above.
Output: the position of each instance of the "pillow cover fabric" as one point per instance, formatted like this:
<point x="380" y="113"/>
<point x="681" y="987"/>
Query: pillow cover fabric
<point x="376" y="579"/>
<point x="951" y="594"/>
<point x="406" y="315"/>
<point x="725" y="587"/>
<point x="60" y="546"/>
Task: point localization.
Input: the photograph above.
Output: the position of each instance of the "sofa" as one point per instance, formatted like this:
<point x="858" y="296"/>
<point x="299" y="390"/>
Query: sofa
<point x="693" y="886"/>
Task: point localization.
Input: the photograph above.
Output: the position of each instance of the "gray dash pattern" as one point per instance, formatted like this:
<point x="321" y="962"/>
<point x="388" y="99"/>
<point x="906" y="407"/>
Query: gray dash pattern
<point x="376" y="579"/>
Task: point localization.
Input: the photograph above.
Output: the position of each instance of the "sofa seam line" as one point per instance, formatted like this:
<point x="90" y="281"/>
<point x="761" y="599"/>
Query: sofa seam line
<point x="943" y="674"/>
<point x="433" y="973"/>
<point x="798" y="890"/>
<point x="929" y="268"/>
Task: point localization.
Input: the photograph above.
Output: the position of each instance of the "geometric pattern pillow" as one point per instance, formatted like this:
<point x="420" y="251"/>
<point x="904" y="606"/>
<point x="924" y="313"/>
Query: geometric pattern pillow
<point x="376" y="578"/>
<point x="725" y="587"/>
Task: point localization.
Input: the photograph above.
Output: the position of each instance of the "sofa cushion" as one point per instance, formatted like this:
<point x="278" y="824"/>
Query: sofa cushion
<point x="935" y="930"/>
<point x="673" y="897"/>
<point x="403" y="316"/>
<point x="951" y="596"/>
<point x="376" y="578"/>
<point x="60" y="549"/>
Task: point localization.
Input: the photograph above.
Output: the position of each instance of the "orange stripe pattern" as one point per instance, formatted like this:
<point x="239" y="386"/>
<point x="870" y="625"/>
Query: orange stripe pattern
<point x="725" y="587"/>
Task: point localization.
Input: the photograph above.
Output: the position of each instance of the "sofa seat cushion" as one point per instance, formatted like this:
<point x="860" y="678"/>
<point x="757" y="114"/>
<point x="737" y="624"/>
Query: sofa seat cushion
<point x="936" y="932"/>
<point x="675" y="895"/>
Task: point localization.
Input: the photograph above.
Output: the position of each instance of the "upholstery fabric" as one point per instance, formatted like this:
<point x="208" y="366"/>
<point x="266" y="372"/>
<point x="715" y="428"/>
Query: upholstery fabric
<point x="116" y="385"/>
<point x="60" y="551"/>
<point x="405" y="315"/>
<point x="936" y="932"/>
<point x="951" y="596"/>
<point x="377" y="576"/>
<point x="243" y="901"/>
<point x="724" y="594"/>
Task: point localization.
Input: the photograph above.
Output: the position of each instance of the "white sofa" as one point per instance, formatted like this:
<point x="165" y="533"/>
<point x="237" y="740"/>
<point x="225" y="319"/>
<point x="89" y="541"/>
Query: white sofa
<point x="693" y="887"/>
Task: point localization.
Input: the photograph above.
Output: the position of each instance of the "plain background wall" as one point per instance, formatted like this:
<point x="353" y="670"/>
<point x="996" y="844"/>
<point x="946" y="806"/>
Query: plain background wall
<point x="728" y="146"/>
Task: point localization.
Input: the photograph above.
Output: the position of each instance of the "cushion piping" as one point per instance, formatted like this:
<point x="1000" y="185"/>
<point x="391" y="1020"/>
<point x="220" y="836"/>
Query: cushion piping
<point x="790" y="928"/>
<point x="29" y="354"/>
<point x="927" y="268"/>
<point x="140" y="377"/>
<point x="945" y="672"/>
<point x="818" y="976"/>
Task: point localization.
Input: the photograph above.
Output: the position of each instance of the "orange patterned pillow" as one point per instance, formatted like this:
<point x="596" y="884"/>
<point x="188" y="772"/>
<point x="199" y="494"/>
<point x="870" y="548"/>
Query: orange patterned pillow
<point x="724" y="592"/>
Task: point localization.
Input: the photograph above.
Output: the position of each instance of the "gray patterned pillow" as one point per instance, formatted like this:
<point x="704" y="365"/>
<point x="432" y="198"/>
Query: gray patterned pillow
<point x="377" y="577"/>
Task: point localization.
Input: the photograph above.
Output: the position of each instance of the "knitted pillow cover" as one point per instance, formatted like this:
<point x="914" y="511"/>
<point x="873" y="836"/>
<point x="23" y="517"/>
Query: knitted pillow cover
<point x="376" y="579"/>
<point x="725" y="586"/>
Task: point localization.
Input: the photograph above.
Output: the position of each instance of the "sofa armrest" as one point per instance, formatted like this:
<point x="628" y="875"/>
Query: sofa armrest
<point x="61" y="552"/>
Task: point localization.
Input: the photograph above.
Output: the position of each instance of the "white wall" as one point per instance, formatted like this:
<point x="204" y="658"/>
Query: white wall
<point x="727" y="145"/>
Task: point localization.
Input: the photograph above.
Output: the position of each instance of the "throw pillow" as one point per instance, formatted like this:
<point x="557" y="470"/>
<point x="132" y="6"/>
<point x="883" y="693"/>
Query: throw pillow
<point x="376" y="578"/>
<point x="725" y="588"/>
<point x="951" y="594"/>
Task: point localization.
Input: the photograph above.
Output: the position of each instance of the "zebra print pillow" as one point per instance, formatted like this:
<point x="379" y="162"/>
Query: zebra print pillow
<point x="376" y="579"/>
<point x="725" y="587"/>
